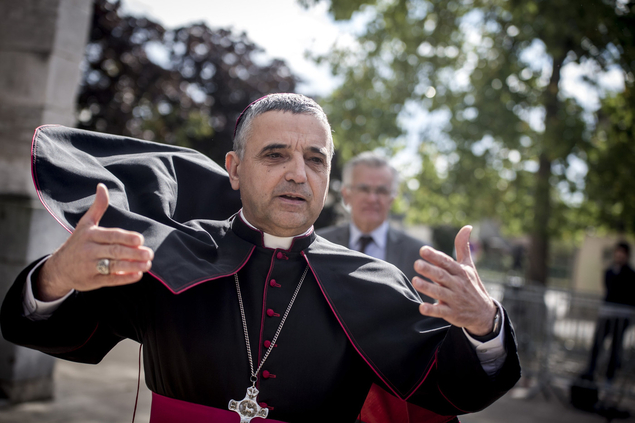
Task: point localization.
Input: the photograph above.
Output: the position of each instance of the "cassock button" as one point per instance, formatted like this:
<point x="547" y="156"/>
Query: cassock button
<point x="267" y="344"/>
<point x="270" y="312"/>
<point x="263" y="404"/>
<point x="280" y="255"/>
<point x="266" y="374"/>
<point x="273" y="283"/>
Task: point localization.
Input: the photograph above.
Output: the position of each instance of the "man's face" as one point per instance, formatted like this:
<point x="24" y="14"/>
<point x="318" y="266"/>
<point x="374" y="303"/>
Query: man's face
<point x="620" y="257"/>
<point x="284" y="173"/>
<point x="369" y="196"/>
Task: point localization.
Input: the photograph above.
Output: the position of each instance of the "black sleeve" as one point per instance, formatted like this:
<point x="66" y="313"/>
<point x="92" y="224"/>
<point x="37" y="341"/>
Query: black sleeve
<point x="84" y="328"/>
<point x="457" y="383"/>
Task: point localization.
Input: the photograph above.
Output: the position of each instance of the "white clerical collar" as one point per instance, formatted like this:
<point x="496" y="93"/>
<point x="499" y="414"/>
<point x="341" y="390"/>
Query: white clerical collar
<point x="272" y="241"/>
<point x="379" y="235"/>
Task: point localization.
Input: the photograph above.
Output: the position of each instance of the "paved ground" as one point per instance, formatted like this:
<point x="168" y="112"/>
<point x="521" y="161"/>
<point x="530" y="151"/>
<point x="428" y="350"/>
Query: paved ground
<point x="106" y="394"/>
<point x="84" y="393"/>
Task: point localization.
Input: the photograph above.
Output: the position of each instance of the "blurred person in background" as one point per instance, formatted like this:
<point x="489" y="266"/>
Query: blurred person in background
<point x="369" y="187"/>
<point x="614" y="316"/>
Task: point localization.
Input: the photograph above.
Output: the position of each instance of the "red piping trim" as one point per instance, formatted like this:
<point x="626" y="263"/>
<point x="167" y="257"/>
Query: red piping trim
<point x="346" y="332"/>
<point x="300" y="237"/>
<point x="262" y="234"/>
<point x="434" y="363"/>
<point x="377" y="372"/>
<point x="37" y="190"/>
<point x="451" y="403"/>
<point x="136" y="400"/>
<point x="34" y="176"/>
<point x="85" y="342"/>
<point x="207" y="279"/>
<point x="441" y="392"/>
<point x="262" y="316"/>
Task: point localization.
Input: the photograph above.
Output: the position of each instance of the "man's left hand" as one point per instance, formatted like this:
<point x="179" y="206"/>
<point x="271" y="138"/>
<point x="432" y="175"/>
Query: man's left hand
<point x="462" y="300"/>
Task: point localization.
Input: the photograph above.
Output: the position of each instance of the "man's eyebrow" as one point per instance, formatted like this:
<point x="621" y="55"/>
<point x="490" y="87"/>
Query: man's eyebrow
<point x="318" y="150"/>
<point x="273" y="147"/>
<point x="321" y="151"/>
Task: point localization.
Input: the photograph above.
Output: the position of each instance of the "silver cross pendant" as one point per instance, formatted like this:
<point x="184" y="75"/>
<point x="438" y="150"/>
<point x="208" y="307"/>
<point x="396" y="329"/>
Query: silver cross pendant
<point x="248" y="408"/>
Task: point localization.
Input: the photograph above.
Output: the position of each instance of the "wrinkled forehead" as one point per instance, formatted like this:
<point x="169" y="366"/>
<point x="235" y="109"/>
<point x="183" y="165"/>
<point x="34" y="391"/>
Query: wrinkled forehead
<point x="294" y="104"/>
<point x="288" y="128"/>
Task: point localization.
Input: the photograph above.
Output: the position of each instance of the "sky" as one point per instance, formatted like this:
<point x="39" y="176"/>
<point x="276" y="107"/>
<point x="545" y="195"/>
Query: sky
<point x="283" y="28"/>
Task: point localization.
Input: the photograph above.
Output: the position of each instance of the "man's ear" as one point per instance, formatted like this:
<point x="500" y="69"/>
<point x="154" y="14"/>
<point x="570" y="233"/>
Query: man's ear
<point x="232" y="163"/>
<point x="345" y="195"/>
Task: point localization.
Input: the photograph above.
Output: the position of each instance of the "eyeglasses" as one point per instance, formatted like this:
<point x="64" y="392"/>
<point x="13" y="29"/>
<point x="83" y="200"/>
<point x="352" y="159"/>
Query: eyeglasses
<point x="380" y="191"/>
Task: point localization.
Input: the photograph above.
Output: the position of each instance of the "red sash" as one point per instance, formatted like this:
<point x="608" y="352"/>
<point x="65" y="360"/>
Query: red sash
<point x="170" y="410"/>
<point x="382" y="407"/>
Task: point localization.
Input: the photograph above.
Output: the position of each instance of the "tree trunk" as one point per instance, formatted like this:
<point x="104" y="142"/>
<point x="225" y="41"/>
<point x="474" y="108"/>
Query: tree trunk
<point x="537" y="272"/>
<point x="539" y="247"/>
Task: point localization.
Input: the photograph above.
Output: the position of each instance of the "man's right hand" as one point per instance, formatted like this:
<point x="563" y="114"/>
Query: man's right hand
<point x="74" y="264"/>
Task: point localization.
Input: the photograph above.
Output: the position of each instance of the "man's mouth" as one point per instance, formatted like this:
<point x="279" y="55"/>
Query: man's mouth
<point x="292" y="197"/>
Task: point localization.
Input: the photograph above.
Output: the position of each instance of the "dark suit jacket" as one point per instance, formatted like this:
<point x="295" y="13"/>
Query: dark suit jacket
<point x="402" y="250"/>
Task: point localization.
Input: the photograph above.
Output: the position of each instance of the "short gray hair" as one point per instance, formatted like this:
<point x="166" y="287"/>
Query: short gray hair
<point x="284" y="102"/>
<point x="369" y="159"/>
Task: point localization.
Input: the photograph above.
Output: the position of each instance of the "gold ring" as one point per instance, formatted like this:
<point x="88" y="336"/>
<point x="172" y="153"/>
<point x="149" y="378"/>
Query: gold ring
<point x="103" y="266"/>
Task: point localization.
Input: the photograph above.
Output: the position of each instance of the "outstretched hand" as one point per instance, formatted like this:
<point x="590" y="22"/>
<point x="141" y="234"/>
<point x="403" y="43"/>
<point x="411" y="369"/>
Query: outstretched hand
<point x="74" y="264"/>
<point x="462" y="299"/>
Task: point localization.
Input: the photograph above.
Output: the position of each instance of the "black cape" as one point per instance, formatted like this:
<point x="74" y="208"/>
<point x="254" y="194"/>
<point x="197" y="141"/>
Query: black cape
<point x="176" y="198"/>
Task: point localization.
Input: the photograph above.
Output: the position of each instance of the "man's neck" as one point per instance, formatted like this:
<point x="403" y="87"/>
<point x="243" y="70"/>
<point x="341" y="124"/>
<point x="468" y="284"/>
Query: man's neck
<point x="272" y="241"/>
<point x="617" y="267"/>
<point x="379" y="234"/>
<point x="365" y="227"/>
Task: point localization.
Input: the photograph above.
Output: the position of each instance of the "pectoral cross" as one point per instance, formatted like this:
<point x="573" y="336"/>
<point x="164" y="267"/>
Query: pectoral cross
<point x="248" y="408"/>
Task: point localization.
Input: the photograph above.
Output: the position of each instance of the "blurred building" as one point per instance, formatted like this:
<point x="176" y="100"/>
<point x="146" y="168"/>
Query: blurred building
<point x="593" y="258"/>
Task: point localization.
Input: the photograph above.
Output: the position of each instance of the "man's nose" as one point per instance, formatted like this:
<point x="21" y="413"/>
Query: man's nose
<point x="373" y="195"/>
<point x="296" y="170"/>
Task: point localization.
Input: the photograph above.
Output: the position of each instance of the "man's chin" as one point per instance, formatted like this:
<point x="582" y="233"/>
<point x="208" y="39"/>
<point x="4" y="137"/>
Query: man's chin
<point x="372" y="218"/>
<point x="291" y="224"/>
<point x="293" y="209"/>
<point x="368" y="225"/>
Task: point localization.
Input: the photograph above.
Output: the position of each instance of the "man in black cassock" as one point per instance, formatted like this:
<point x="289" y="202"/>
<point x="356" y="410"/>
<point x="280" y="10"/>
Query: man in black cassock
<point x="254" y="315"/>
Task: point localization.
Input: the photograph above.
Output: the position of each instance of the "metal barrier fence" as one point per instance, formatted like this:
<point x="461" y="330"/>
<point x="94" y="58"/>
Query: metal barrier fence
<point x="556" y="330"/>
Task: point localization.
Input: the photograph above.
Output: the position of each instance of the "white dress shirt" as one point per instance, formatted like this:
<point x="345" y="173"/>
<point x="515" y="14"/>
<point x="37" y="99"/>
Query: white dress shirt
<point x="377" y="248"/>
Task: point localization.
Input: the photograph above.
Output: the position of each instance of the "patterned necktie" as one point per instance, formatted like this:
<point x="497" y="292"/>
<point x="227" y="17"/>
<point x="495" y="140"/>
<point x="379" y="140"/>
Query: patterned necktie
<point x="364" y="240"/>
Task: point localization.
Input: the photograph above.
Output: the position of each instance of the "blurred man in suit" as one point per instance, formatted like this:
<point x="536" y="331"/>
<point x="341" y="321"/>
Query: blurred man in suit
<point x="369" y="186"/>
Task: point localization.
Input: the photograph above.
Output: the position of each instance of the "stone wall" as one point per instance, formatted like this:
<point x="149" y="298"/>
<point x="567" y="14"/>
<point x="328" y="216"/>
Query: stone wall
<point x="41" y="48"/>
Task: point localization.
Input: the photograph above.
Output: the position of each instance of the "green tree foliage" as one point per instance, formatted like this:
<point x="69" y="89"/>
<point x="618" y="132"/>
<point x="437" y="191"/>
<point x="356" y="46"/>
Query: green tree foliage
<point x="612" y="164"/>
<point x="184" y="86"/>
<point x="493" y="69"/>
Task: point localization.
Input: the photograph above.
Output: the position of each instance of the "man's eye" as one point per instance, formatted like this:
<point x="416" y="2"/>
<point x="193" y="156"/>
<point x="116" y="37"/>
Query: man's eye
<point x="318" y="160"/>
<point x="382" y="191"/>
